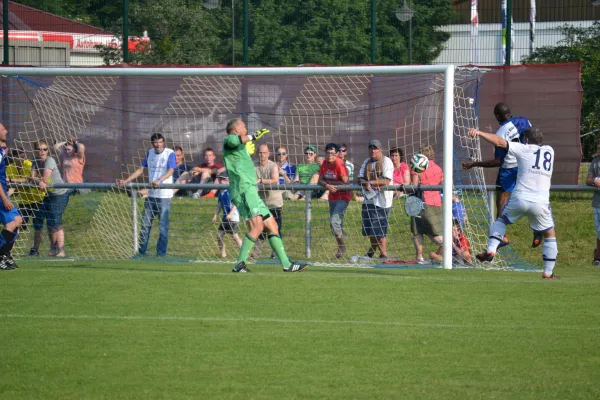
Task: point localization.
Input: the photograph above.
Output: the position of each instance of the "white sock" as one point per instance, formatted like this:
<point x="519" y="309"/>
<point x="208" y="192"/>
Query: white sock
<point x="549" y="253"/>
<point x="496" y="234"/>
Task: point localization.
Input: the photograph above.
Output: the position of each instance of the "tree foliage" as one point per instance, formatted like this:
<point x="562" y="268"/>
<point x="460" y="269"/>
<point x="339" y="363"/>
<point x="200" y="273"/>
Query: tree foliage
<point x="281" y="33"/>
<point x="580" y="44"/>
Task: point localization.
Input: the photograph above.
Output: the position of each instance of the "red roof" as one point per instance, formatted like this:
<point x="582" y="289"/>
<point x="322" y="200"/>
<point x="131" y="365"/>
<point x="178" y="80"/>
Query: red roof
<point x="22" y="17"/>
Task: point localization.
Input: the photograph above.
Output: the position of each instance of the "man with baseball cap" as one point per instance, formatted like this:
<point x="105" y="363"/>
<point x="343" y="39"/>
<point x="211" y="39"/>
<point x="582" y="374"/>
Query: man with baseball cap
<point x="376" y="172"/>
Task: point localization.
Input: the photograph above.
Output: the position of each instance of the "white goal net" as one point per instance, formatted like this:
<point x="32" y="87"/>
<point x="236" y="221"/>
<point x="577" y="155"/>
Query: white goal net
<point x="114" y="117"/>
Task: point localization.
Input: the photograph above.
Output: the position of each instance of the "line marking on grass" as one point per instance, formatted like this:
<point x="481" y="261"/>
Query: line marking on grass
<point x="357" y="274"/>
<point x="292" y="321"/>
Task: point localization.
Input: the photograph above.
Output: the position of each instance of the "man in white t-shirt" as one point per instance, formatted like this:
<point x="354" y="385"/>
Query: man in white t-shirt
<point x="375" y="172"/>
<point x="530" y="197"/>
<point x="161" y="164"/>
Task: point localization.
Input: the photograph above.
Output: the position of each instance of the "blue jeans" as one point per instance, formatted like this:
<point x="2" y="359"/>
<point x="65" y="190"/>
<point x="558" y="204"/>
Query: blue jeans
<point x="154" y="206"/>
<point x="337" y="209"/>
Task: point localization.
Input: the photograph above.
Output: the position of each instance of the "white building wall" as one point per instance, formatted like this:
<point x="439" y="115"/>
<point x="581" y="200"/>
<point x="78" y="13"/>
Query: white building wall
<point x="460" y="46"/>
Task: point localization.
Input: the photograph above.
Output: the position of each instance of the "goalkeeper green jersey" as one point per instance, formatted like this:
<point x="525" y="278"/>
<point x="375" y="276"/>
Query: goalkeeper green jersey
<point x="240" y="167"/>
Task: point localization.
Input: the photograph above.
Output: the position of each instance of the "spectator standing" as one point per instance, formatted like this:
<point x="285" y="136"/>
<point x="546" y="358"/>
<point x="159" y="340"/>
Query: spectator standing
<point x="401" y="170"/>
<point x="9" y="215"/>
<point x="376" y="172"/>
<point x="160" y="162"/>
<point x="333" y="173"/>
<point x="267" y="173"/>
<point x="72" y="157"/>
<point x="343" y="154"/>
<point x="429" y="221"/>
<point x="45" y="172"/>
<point x="593" y="179"/>
<point x="28" y="199"/>
<point x="230" y="223"/>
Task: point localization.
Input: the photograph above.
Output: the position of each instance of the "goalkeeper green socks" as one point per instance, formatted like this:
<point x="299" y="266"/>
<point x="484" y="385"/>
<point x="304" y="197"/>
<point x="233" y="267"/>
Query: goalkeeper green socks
<point x="277" y="246"/>
<point x="247" y="245"/>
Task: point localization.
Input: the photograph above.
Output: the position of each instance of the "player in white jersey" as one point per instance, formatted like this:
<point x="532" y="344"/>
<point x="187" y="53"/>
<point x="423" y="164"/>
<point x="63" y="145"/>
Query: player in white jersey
<point x="511" y="129"/>
<point x="530" y="197"/>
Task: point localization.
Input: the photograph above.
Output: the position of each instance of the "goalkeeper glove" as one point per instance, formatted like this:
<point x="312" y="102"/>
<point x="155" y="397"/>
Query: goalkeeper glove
<point x="259" y="133"/>
<point x="250" y="147"/>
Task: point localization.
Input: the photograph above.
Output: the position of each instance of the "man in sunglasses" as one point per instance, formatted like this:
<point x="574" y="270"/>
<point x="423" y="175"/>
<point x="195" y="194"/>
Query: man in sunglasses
<point x="308" y="172"/>
<point x="9" y="215"/>
<point x="287" y="171"/>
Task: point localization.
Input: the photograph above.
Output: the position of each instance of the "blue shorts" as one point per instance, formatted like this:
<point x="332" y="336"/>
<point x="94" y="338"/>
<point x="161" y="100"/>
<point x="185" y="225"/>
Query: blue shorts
<point x="375" y="220"/>
<point x="507" y="179"/>
<point x="8" y="216"/>
<point x="51" y="210"/>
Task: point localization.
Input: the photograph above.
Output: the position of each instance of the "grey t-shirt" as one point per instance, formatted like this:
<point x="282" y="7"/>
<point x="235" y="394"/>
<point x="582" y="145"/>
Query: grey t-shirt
<point x="595" y="171"/>
<point x="54" y="177"/>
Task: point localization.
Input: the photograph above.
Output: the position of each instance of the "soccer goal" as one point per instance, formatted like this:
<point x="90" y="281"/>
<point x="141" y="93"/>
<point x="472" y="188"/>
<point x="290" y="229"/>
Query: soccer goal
<point x="114" y="111"/>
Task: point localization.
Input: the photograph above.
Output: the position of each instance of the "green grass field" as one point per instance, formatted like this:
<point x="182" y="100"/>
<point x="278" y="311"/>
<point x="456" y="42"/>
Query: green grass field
<point x="133" y="329"/>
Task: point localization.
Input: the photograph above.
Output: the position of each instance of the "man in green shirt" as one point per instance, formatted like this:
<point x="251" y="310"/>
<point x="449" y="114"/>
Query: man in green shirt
<point x="237" y="148"/>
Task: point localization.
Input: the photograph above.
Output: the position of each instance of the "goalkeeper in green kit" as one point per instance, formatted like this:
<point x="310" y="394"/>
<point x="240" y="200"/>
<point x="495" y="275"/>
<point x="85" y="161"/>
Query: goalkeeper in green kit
<point x="237" y="148"/>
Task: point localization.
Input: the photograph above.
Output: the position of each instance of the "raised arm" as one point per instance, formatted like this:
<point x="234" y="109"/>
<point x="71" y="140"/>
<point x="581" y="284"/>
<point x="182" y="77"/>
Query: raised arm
<point x="490" y="137"/>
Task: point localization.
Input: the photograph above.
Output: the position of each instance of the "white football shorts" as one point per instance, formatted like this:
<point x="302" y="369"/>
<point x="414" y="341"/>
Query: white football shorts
<point x="539" y="214"/>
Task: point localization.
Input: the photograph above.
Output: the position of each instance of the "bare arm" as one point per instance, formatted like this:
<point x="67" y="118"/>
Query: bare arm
<point x="414" y="179"/>
<point x="274" y="176"/>
<point x="592" y="180"/>
<point x="162" y="178"/>
<point x="490" y="137"/>
<point x="496" y="162"/>
<point x="131" y="177"/>
<point x="406" y="177"/>
<point x="380" y="182"/>
<point x="80" y="151"/>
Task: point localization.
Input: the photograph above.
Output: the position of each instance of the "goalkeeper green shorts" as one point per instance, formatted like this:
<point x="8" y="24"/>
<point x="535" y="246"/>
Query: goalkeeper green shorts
<point x="250" y="205"/>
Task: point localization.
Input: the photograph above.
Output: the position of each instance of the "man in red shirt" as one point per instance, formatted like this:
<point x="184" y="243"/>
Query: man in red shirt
<point x="333" y="172"/>
<point x="207" y="171"/>
<point x="204" y="173"/>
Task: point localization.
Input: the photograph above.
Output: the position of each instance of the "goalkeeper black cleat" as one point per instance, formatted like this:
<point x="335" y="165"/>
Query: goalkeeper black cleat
<point x="240" y="267"/>
<point x="296" y="266"/>
<point x="538" y="238"/>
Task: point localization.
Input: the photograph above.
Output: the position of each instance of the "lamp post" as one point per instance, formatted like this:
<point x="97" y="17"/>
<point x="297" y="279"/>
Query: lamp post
<point x="405" y="13"/>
